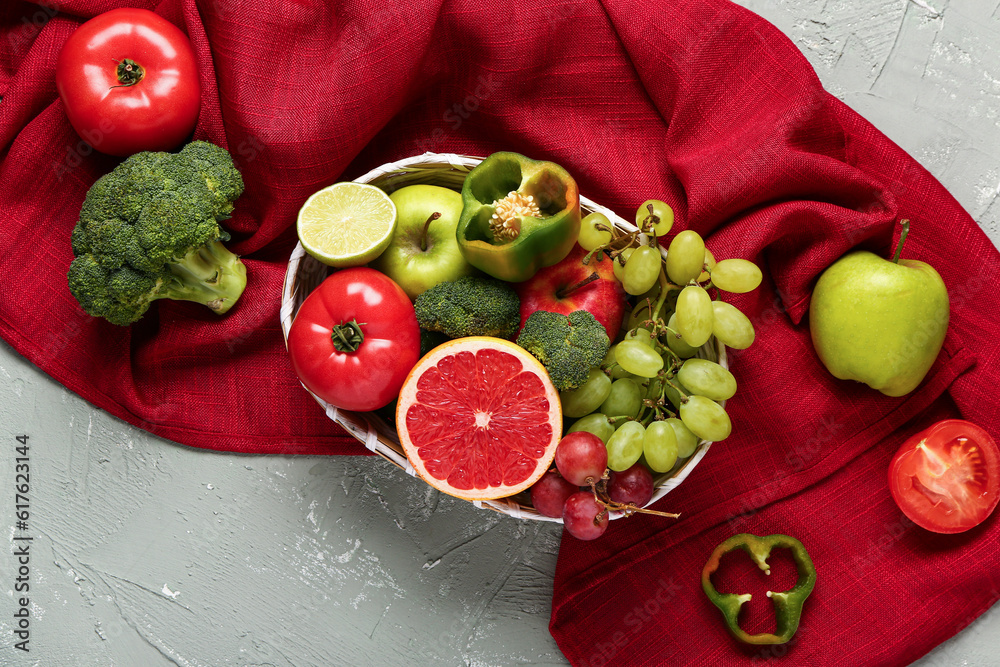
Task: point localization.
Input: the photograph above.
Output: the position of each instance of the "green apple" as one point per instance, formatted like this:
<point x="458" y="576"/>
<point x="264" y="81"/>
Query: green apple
<point x="878" y="321"/>
<point x="424" y="249"/>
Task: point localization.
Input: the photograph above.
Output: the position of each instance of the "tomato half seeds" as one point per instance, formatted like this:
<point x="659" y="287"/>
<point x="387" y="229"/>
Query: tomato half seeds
<point x="947" y="478"/>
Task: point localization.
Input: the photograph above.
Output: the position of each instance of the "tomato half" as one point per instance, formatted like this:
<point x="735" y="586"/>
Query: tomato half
<point x="355" y="339"/>
<point x="947" y="478"/>
<point x="129" y="82"/>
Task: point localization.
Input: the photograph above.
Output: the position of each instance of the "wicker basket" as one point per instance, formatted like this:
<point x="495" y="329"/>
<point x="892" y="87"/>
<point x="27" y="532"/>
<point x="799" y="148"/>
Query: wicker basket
<point x="305" y="273"/>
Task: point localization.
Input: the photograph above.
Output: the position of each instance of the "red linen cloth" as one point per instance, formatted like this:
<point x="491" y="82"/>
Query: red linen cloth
<point x="702" y="104"/>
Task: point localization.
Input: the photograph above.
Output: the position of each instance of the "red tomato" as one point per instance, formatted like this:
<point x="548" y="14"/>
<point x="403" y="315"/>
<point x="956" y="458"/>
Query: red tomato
<point x="386" y="335"/>
<point x="947" y="478"/>
<point x="129" y="82"/>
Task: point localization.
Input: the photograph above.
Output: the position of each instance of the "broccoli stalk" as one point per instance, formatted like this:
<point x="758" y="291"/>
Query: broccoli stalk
<point x="150" y="230"/>
<point x="208" y="274"/>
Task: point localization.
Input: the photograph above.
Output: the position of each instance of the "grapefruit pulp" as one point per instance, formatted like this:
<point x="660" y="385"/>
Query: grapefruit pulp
<point x="479" y="418"/>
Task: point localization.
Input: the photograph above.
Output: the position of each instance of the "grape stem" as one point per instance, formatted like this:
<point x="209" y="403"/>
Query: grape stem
<point x="650" y="322"/>
<point x="708" y="284"/>
<point x="650" y="223"/>
<point x="629" y="509"/>
<point x="684" y="397"/>
<point x="672" y="332"/>
<point x="599" y="250"/>
<point x="652" y="218"/>
<point x="600" y="490"/>
<point x="611" y="247"/>
<point x="619" y="418"/>
<point x="660" y="347"/>
<point x="659" y="405"/>
<point x="661" y="411"/>
<point x="630" y="241"/>
<point x="677" y="358"/>
<point x="648" y="419"/>
<point x="662" y="296"/>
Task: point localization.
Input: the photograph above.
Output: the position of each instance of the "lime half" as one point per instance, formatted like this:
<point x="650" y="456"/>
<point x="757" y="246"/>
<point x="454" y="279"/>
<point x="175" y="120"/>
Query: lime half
<point x="347" y="224"/>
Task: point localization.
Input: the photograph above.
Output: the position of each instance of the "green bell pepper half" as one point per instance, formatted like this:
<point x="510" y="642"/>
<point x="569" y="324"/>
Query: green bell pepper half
<point x="787" y="604"/>
<point x="518" y="216"/>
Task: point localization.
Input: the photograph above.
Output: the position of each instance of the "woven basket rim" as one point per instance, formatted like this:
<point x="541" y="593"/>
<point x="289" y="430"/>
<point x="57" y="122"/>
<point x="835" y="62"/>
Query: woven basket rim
<point x="378" y="436"/>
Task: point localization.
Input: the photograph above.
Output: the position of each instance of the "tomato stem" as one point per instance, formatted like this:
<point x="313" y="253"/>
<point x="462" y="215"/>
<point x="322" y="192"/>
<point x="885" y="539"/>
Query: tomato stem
<point x="427" y="225"/>
<point x="129" y="73"/>
<point x="347" y="336"/>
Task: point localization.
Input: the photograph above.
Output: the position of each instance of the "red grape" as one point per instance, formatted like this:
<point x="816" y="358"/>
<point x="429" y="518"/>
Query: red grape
<point x="633" y="485"/>
<point x="549" y="494"/>
<point x="580" y="455"/>
<point x="580" y="516"/>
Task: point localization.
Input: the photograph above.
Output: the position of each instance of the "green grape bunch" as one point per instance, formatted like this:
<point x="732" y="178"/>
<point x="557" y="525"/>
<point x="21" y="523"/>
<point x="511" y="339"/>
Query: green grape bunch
<point x="652" y="398"/>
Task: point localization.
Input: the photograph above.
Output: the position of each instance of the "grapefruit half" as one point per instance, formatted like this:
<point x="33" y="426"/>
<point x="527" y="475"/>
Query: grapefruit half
<point x="479" y="418"/>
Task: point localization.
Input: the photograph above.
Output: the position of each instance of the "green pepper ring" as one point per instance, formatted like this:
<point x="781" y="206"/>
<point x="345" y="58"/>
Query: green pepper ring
<point x="787" y="604"/>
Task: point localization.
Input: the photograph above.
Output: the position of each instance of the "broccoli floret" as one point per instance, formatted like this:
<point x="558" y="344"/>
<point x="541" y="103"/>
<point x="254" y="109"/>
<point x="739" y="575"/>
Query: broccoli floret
<point x="215" y="167"/>
<point x="567" y="345"/>
<point x="470" y="306"/>
<point x="150" y="230"/>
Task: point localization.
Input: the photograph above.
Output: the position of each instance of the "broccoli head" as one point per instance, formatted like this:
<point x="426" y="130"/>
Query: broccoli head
<point x="470" y="306"/>
<point x="567" y="345"/>
<point x="150" y="230"/>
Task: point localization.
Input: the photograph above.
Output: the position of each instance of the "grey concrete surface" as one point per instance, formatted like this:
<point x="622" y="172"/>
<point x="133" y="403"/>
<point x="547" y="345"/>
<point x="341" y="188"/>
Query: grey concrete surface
<point x="147" y="553"/>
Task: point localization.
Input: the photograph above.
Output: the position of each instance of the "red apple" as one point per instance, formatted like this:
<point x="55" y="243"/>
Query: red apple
<point x="562" y="288"/>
